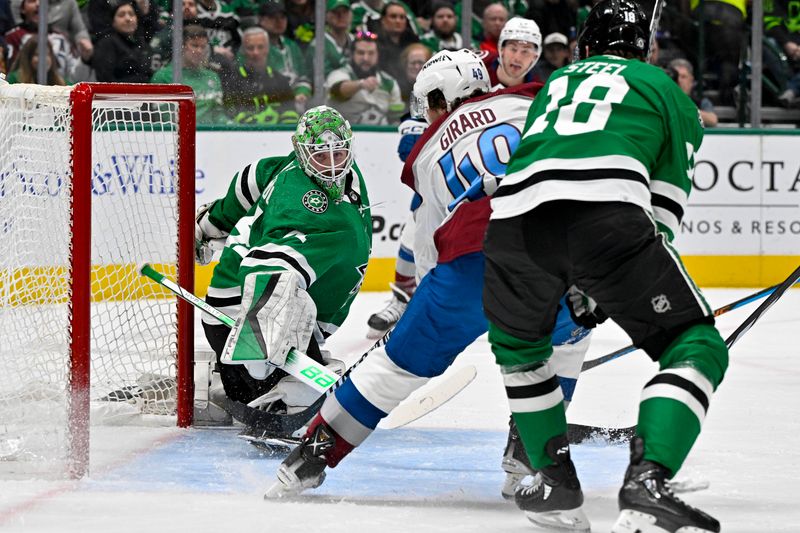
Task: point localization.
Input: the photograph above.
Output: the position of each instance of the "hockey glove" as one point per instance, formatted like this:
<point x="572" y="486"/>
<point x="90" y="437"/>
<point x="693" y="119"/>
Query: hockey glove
<point x="277" y="315"/>
<point x="583" y="309"/>
<point x="208" y="239"/>
<point x="410" y="130"/>
<point x="480" y="187"/>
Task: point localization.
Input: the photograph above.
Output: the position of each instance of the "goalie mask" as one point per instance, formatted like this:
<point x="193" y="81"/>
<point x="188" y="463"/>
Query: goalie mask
<point x="615" y="25"/>
<point x="457" y="74"/>
<point x="323" y="142"/>
<point x="524" y="30"/>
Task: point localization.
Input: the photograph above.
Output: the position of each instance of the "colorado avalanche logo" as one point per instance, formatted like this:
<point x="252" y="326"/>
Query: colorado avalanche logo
<point x="315" y="201"/>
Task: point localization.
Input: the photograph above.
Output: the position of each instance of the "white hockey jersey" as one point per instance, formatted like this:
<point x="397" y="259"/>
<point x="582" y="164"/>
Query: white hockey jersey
<point x="475" y="140"/>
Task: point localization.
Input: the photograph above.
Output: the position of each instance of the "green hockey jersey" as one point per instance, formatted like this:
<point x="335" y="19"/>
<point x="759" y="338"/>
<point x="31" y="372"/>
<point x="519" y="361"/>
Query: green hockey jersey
<point x="280" y="220"/>
<point x="606" y="129"/>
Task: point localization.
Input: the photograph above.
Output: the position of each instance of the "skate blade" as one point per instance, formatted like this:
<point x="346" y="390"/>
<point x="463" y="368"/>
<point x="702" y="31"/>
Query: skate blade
<point x="631" y="521"/>
<point x="279" y="490"/>
<point x="573" y="520"/>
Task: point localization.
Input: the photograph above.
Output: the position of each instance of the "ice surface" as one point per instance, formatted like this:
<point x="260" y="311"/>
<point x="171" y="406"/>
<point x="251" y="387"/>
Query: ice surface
<point x="442" y="473"/>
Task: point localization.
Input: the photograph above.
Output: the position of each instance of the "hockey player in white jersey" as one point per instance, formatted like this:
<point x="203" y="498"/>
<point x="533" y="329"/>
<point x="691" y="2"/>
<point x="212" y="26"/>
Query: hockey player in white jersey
<point x="465" y="149"/>
<point x="519" y="46"/>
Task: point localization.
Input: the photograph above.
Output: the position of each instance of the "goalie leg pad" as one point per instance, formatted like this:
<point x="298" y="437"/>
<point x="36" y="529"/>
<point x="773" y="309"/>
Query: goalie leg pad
<point x="278" y="315"/>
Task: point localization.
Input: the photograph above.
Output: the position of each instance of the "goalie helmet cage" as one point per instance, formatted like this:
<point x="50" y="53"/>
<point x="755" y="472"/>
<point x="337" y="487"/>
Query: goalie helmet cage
<point x="114" y="165"/>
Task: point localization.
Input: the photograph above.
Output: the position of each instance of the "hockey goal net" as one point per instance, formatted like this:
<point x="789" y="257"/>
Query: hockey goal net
<point x="94" y="179"/>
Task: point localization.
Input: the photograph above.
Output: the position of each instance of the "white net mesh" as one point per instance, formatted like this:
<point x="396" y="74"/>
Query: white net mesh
<point x="134" y="219"/>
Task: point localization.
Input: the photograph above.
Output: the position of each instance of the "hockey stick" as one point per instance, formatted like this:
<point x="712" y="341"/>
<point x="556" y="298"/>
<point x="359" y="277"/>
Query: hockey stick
<point x="287" y="425"/>
<point x="654" y="20"/>
<point x="588" y="365"/>
<point x="297" y="363"/>
<point x="774" y="293"/>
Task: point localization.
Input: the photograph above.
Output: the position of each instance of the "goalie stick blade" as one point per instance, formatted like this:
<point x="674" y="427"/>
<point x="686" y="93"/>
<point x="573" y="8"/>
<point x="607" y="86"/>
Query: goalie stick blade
<point x="579" y="434"/>
<point x="274" y="424"/>
<point x="440" y="393"/>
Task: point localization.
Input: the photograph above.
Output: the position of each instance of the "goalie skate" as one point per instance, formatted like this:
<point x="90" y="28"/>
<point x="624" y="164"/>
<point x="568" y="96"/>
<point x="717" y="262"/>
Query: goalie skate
<point x="304" y="468"/>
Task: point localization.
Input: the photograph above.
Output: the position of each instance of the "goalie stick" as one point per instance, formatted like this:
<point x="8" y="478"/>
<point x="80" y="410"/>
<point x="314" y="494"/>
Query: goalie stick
<point x="297" y="364"/>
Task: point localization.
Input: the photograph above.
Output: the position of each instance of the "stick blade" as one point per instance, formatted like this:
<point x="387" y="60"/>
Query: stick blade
<point x="415" y="408"/>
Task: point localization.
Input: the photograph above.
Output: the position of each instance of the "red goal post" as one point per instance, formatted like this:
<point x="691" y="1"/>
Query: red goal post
<point x="127" y="197"/>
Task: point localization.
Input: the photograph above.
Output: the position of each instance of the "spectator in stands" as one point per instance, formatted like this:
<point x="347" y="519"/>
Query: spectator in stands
<point x="494" y="18"/>
<point x="683" y="73"/>
<point x="412" y="58"/>
<point x="68" y="64"/>
<point x="64" y="16"/>
<point x="285" y="55"/>
<point x="724" y="31"/>
<point x="3" y="63"/>
<point x="367" y="15"/>
<point x="360" y="91"/>
<point x="394" y="35"/>
<point x="222" y="25"/>
<point x="6" y="18"/>
<point x="556" y="16"/>
<point x="24" y="69"/>
<point x="517" y="8"/>
<point x="204" y="81"/>
<point x="783" y="28"/>
<point x="161" y="44"/>
<point x="101" y="15"/>
<point x="123" y="56"/>
<point x="300" y="15"/>
<point x="255" y="93"/>
<point x="555" y="54"/>
<point x="338" y="39"/>
<point x="443" y="34"/>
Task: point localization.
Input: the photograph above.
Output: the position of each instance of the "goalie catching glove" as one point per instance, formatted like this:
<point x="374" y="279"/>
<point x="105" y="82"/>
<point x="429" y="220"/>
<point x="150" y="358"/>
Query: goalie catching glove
<point x="208" y="239"/>
<point x="277" y="315"/>
<point x="583" y="309"/>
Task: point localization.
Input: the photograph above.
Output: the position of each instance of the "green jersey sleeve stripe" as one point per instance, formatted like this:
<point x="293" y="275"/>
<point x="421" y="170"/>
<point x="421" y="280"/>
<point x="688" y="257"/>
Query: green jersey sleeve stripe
<point x="273" y="255"/>
<point x="243" y="193"/>
<point x="668" y="204"/>
<point x="570" y="175"/>
<point x="667" y="219"/>
<point x="668" y="190"/>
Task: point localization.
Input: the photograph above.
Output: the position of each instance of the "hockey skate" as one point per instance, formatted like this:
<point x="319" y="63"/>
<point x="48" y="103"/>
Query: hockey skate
<point x="304" y="468"/>
<point x="380" y="322"/>
<point x="515" y="463"/>
<point x="268" y="443"/>
<point x="648" y="505"/>
<point x="555" y="498"/>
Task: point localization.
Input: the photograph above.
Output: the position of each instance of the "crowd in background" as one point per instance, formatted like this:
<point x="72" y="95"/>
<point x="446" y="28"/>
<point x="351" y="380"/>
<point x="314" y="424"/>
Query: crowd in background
<point x="250" y="61"/>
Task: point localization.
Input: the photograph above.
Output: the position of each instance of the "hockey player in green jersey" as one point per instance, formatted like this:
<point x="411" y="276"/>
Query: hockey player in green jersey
<point x="590" y="203"/>
<point x="298" y="236"/>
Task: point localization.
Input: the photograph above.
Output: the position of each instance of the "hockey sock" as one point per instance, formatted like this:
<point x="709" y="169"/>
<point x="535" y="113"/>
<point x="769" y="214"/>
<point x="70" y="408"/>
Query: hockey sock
<point x="534" y="394"/>
<point x="341" y="448"/>
<point x="674" y="403"/>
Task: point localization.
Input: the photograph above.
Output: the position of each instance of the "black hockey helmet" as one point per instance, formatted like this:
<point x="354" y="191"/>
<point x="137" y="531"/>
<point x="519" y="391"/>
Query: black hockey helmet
<point x="615" y="25"/>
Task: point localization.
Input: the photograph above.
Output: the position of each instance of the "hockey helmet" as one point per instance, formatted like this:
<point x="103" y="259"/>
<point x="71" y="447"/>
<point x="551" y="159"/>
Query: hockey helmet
<point x="615" y="25"/>
<point x="520" y="29"/>
<point x="323" y="142"/>
<point x="457" y="73"/>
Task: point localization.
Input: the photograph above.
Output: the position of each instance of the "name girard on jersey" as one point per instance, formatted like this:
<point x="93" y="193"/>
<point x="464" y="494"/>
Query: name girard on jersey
<point x="462" y="123"/>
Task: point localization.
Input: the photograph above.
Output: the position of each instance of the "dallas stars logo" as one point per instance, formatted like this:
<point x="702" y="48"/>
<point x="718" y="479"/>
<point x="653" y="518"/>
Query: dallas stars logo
<point x="315" y="201"/>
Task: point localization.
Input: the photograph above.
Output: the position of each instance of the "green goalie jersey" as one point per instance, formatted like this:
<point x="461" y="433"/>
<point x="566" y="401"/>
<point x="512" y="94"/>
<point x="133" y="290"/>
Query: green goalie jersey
<point x="606" y="129"/>
<point x="278" y="220"/>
